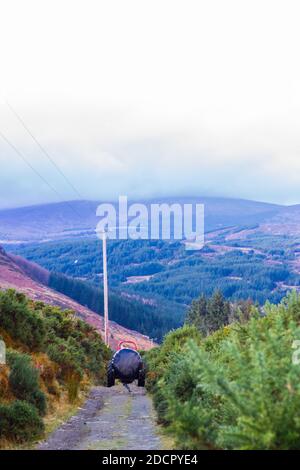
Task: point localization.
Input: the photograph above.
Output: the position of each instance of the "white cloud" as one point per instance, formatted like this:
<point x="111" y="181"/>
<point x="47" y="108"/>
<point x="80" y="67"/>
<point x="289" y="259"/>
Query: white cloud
<point x="153" y="97"/>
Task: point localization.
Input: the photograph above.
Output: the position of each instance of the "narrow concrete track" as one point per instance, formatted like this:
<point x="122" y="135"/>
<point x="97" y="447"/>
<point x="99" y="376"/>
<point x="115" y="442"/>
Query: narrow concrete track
<point x="110" y="419"/>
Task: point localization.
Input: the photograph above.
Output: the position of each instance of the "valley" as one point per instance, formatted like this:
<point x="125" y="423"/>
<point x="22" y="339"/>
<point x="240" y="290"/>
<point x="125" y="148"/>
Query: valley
<point x="252" y="250"/>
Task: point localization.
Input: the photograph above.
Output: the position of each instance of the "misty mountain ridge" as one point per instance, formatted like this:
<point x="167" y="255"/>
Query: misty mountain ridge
<point x="78" y="218"/>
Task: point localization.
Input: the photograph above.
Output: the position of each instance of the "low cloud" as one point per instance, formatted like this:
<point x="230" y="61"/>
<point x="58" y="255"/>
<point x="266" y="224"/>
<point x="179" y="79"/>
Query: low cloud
<point x="201" y="99"/>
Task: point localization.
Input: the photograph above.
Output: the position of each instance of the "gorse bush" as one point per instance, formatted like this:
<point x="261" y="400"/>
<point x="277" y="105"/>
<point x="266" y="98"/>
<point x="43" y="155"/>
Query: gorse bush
<point x="68" y="341"/>
<point x="74" y="345"/>
<point x="238" y="388"/>
<point x="49" y="352"/>
<point x="20" y="421"/>
<point x="24" y="381"/>
<point x="159" y="360"/>
<point x="19" y="320"/>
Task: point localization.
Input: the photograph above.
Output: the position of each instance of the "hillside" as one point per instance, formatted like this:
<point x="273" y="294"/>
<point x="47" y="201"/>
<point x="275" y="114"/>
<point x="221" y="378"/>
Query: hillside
<point x="52" y="358"/>
<point x="13" y="275"/>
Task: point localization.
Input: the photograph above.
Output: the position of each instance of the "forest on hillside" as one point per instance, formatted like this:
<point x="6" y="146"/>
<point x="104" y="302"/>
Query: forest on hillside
<point x="151" y="320"/>
<point x="259" y="267"/>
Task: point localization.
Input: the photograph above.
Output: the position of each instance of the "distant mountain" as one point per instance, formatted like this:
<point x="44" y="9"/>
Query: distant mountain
<point x="49" y="221"/>
<point x="21" y="275"/>
<point x="77" y="218"/>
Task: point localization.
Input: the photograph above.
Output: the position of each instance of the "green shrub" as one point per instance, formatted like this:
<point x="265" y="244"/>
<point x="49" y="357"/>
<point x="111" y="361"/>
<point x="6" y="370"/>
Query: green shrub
<point x="19" y="321"/>
<point x="67" y="355"/>
<point x="24" y="381"/>
<point x="238" y="388"/>
<point x="159" y="360"/>
<point x="71" y="343"/>
<point x="38" y="399"/>
<point x="74" y="345"/>
<point x="66" y="350"/>
<point x="20" y="421"/>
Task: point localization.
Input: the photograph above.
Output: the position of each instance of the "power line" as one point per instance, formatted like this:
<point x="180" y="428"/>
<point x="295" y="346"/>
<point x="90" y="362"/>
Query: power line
<point x="22" y="156"/>
<point x="47" y="155"/>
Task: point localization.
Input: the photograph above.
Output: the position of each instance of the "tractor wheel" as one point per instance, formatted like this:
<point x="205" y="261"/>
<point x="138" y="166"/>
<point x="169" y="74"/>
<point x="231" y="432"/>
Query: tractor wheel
<point x="110" y="375"/>
<point x="141" y="379"/>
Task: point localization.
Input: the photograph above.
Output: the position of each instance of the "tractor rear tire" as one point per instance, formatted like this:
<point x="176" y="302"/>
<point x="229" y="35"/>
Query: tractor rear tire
<point x="142" y="378"/>
<point x="110" y="376"/>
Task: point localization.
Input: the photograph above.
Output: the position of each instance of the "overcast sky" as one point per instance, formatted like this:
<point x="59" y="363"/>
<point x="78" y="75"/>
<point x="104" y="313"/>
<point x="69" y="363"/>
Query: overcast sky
<point x="150" y="98"/>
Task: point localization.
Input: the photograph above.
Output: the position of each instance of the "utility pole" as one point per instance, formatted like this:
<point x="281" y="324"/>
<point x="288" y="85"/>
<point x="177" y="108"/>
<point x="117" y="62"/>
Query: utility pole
<point x="105" y="290"/>
<point x="105" y="282"/>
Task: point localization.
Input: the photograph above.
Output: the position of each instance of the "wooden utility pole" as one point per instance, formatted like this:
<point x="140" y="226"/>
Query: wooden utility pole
<point x="105" y="290"/>
<point x="105" y="282"/>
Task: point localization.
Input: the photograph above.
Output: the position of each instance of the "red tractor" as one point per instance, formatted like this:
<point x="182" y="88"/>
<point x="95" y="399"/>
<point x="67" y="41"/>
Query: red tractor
<point x="126" y="365"/>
